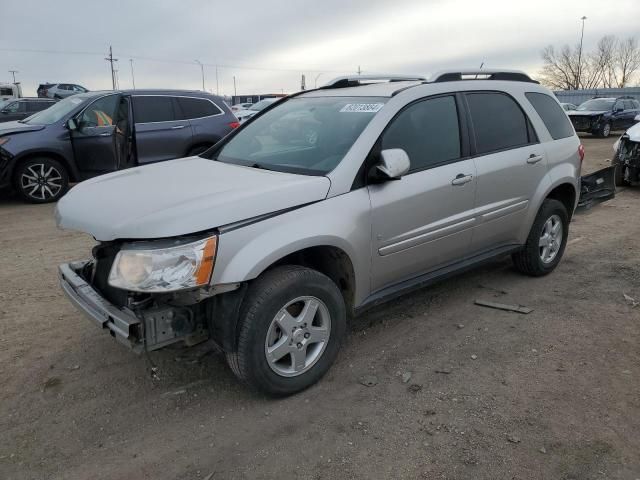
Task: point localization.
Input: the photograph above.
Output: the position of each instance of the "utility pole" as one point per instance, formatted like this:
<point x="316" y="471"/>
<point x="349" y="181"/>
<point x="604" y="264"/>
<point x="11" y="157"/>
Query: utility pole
<point x="201" y="71"/>
<point x="359" y="70"/>
<point x="303" y="83"/>
<point x="235" y="92"/>
<point x="133" y="79"/>
<point x="13" y="72"/>
<point x="217" y="88"/>
<point x="110" y="59"/>
<point x="115" y="73"/>
<point x="315" y="82"/>
<point x="580" y="55"/>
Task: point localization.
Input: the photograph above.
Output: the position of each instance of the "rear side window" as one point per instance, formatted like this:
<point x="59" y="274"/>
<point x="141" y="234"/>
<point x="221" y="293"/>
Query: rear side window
<point x="428" y="131"/>
<point x="551" y="114"/>
<point x="149" y="109"/>
<point x="498" y="121"/>
<point x="37" y="106"/>
<point x="196" y="108"/>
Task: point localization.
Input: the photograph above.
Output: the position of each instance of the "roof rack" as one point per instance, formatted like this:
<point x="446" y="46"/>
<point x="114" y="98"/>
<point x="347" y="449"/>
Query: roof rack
<point x="476" y="74"/>
<point x="357" y="80"/>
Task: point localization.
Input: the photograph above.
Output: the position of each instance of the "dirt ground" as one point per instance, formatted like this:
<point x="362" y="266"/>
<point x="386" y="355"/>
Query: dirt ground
<point x="491" y="395"/>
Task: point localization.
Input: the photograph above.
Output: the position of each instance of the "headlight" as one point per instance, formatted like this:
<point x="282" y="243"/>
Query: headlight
<point x="4" y="140"/>
<point x="164" y="269"/>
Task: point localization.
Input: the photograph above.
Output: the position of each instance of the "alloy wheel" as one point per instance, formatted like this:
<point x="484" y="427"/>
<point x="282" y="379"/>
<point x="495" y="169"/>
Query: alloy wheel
<point x="41" y="182"/>
<point x="551" y="239"/>
<point x="297" y="336"/>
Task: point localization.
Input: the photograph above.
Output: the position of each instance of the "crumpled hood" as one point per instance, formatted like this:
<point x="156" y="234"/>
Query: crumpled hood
<point x="179" y="197"/>
<point x="17" y="127"/>
<point x="585" y="113"/>
<point x="634" y="133"/>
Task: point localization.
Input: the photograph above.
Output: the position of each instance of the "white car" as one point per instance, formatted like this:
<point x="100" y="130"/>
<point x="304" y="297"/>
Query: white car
<point x="240" y="106"/>
<point x="626" y="156"/>
<point x="243" y="115"/>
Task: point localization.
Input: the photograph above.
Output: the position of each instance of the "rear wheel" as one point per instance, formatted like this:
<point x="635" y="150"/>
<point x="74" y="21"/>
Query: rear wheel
<point x="546" y="241"/>
<point x="292" y="323"/>
<point x="41" y="180"/>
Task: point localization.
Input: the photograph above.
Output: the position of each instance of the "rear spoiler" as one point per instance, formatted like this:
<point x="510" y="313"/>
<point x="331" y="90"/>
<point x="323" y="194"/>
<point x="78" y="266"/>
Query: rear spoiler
<point x="599" y="186"/>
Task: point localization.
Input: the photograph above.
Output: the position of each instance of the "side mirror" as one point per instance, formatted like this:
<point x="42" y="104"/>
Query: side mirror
<point x="394" y="163"/>
<point x="71" y="124"/>
<point x="618" y="109"/>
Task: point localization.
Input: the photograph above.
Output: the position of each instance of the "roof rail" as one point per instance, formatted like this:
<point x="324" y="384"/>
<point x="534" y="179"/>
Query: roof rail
<point x="476" y="74"/>
<point x="357" y="80"/>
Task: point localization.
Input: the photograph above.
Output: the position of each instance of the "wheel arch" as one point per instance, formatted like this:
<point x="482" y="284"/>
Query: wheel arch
<point x="566" y="194"/>
<point x="71" y="171"/>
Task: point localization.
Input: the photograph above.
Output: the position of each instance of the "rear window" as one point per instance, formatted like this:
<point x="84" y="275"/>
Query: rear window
<point x="6" y="91"/>
<point x="148" y="109"/>
<point x="498" y="121"/>
<point x="552" y="115"/>
<point x="196" y="108"/>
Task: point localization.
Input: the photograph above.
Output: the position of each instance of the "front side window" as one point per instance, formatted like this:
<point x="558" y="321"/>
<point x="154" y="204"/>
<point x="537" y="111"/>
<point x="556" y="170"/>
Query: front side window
<point x="619" y="105"/>
<point x="304" y="135"/>
<point x="428" y="131"/>
<point x="498" y="122"/>
<point x="551" y="114"/>
<point x="12" y="107"/>
<point x="628" y="105"/>
<point x="196" y="108"/>
<point x="101" y="112"/>
<point x="150" y="109"/>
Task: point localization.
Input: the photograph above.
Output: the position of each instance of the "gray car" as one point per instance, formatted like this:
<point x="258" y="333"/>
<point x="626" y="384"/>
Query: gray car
<point x="324" y="205"/>
<point x="21" y="108"/>
<point x="98" y="132"/>
<point x="64" y="90"/>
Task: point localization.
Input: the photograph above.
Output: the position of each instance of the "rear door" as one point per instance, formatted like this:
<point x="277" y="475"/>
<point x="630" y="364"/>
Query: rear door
<point x="160" y="132"/>
<point x="424" y="220"/>
<point x="510" y="165"/>
<point x="94" y="140"/>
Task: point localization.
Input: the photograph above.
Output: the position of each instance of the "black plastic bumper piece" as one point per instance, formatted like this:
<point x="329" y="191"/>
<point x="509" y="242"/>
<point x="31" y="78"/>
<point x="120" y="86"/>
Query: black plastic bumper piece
<point x="121" y="322"/>
<point x="598" y="186"/>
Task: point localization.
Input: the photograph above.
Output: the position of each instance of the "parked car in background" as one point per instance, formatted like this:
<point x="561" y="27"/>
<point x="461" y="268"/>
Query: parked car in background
<point x="98" y="132"/>
<point x="11" y="110"/>
<point x="567" y="107"/>
<point x="64" y="90"/>
<point x="626" y="155"/>
<point x="599" y="116"/>
<point x="10" y="90"/>
<point x="42" y="89"/>
<point x="243" y="115"/>
<point x="269" y="242"/>
<point x="240" y="106"/>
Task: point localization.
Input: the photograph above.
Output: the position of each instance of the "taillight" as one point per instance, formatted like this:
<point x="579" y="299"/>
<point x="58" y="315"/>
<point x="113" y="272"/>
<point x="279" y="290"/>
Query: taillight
<point x="581" y="152"/>
<point x="237" y="124"/>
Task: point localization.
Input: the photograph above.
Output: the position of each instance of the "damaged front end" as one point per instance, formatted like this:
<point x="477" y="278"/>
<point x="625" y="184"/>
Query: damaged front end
<point x="141" y="320"/>
<point x="627" y="160"/>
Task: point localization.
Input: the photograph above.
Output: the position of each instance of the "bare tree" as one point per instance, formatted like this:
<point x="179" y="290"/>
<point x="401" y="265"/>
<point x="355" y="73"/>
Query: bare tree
<point x="612" y="64"/>
<point x="627" y="61"/>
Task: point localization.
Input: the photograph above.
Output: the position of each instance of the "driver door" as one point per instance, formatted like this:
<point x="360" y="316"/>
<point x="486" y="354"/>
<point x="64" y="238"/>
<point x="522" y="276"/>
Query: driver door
<point x="95" y="142"/>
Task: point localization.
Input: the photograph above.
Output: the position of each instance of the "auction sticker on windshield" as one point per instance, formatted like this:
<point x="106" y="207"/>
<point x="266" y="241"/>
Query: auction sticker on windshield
<point x="362" y="107"/>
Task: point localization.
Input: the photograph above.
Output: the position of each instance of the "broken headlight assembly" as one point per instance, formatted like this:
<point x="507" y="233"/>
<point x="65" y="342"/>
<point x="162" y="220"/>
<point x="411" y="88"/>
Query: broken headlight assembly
<point x="162" y="270"/>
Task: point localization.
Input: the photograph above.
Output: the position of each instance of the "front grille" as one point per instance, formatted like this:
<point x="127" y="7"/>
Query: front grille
<point x="581" y="122"/>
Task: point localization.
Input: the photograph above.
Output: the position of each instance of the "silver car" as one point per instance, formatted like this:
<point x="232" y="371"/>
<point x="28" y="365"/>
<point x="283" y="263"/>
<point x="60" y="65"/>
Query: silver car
<point x="64" y="90"/>
<point x="320" y="207"/>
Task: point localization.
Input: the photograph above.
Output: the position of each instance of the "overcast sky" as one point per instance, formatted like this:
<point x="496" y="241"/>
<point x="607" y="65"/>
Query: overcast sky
<point x="268" y="44"/>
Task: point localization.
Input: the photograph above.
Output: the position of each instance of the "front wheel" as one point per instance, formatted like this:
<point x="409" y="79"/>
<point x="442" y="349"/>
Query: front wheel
<point x="291" y="326"/>
<point x="546" y="241"/>
<point x="41" y="180"/>
<point x="605" y="130"/>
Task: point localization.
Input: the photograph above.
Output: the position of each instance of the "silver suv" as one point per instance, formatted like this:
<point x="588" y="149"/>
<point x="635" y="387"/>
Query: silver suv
<point x="323" y="205"/>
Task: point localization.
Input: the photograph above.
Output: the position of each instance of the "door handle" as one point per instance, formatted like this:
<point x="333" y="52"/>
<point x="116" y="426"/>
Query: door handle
<point x="177" y="127"/>
<point x="106" y="134"/>
<point x="533" y="158"/>
<point x="461" y="179"/>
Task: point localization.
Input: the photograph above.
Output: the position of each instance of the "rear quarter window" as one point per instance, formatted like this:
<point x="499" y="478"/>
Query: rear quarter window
<point x="196" y="108"/>
<point x="551" y="114"/>
<point x="153" y="108"/>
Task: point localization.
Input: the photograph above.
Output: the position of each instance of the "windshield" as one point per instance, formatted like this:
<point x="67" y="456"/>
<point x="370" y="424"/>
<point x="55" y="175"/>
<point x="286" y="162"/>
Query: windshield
<point x="302" y="135"/>
<point x="597" y="104"/>
<point x="56" y="112"/>
<point x="261" y="105"/>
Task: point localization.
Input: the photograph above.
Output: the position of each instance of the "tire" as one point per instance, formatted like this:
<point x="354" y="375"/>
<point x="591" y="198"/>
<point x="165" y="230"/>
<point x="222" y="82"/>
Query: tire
<point x="197" y="150"/>
<point x="41" y="180"/>
<point x="264" y="324"/>
<point x="605" y="130"/>
<point x="529" y="260"/>
<point x="619" y="175"/>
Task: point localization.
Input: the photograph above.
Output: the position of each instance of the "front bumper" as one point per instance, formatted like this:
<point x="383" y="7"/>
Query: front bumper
<point x="121" y="322"/>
